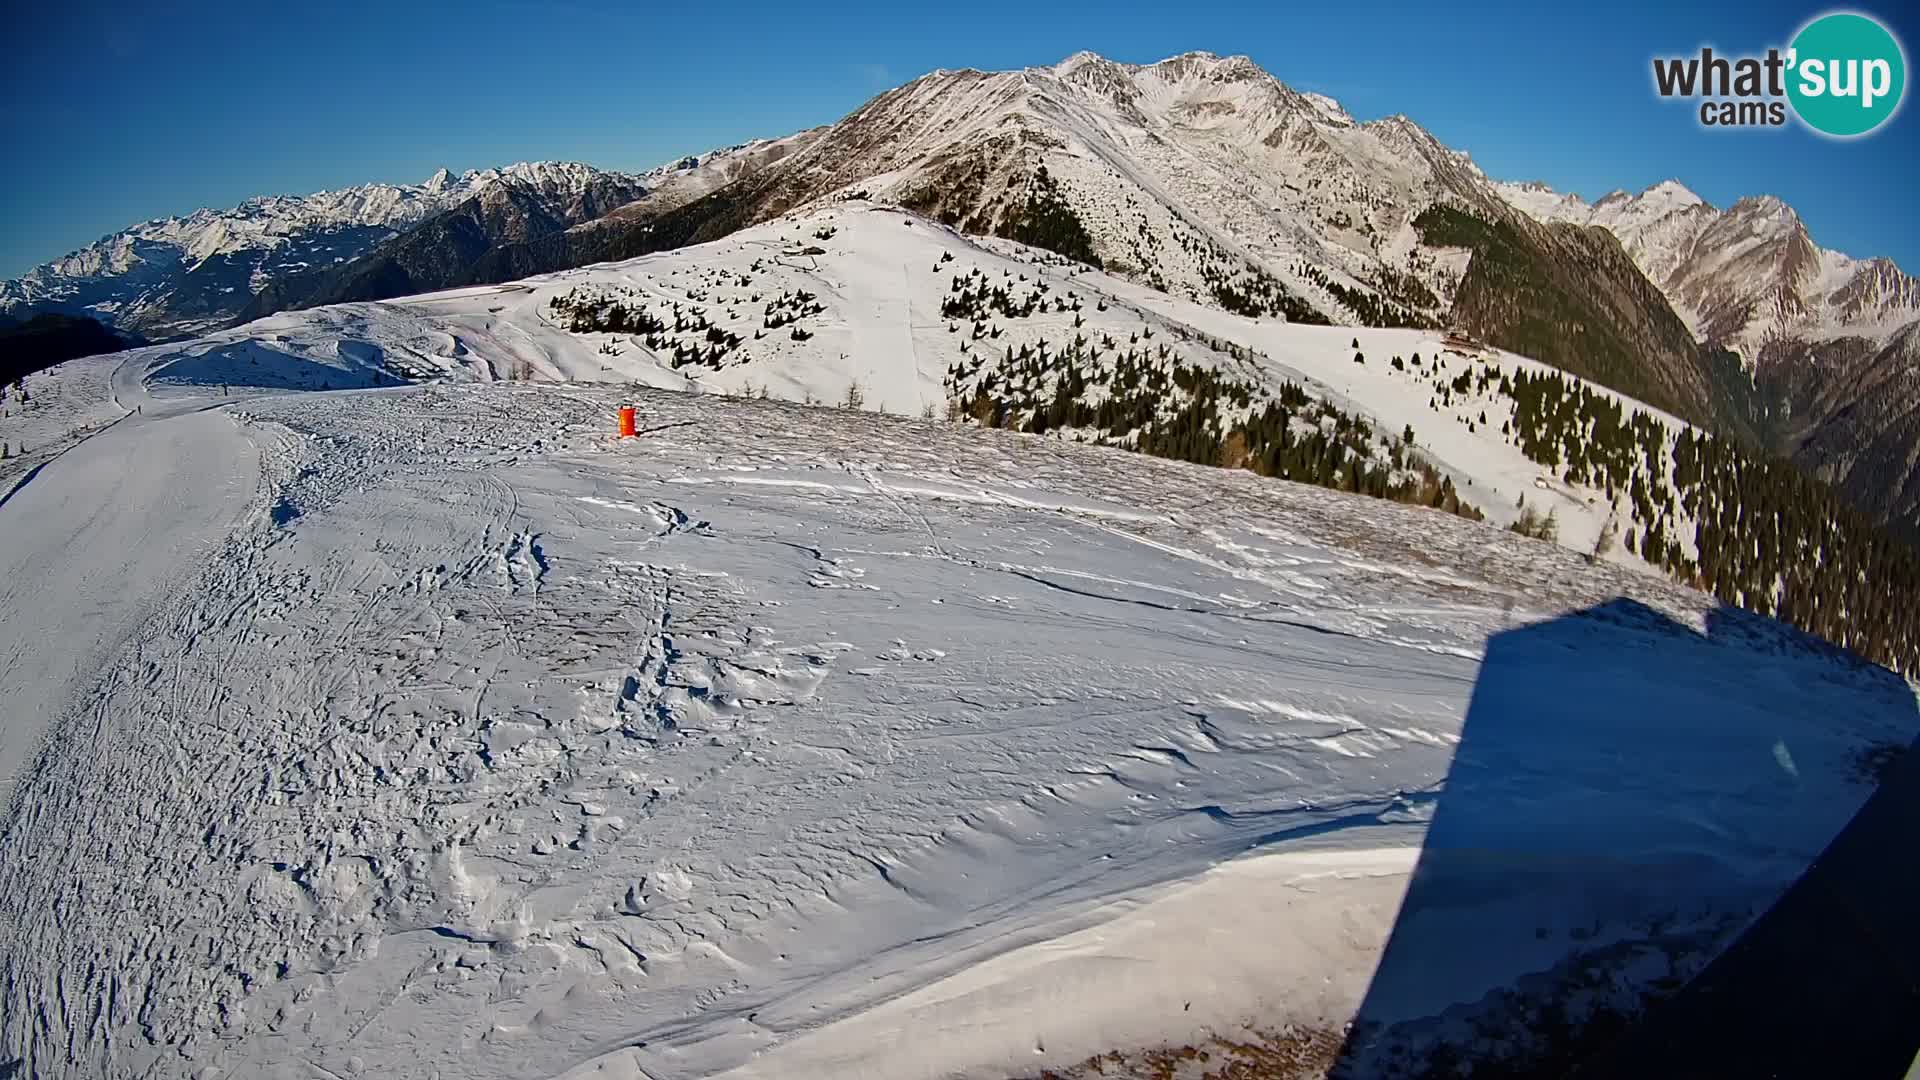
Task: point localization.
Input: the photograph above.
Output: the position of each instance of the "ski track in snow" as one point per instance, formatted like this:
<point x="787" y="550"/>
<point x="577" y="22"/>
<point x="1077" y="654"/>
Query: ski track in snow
<point x="135" y="505"/>
<point x="486" y="745"/>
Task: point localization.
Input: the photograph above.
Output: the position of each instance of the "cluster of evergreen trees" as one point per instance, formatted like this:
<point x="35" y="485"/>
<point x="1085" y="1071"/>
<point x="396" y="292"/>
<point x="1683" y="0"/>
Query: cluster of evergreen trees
<point x="1047" y="220"/>
<point x="1147" y="398"/>
<point x="790" y="307"/>
<point x="1404" y="289"/>
<point x="1590" y="438"/>
<point x="587" y="311"/>
<point x="683" y="333"/>
<point x="1144" y="245"/>
<point x="1770" y="539"/>
<point x="1765" y="537"/>
<point x="974" y="297"/>
<point x="1754" y="531"/>
<point x="1257" y="294"/>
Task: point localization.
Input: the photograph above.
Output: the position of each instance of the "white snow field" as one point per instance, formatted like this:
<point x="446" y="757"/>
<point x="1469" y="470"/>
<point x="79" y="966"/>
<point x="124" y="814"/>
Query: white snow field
<point x="433" y="731"/>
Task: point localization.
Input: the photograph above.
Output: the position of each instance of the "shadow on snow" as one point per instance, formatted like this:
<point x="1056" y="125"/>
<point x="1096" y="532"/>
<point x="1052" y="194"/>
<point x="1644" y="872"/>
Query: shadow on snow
<point x="253" y="365"/>
<point x="1627" y="795"/>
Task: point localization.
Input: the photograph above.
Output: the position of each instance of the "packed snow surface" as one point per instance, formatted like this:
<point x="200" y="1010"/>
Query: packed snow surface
<point x="434" y="731"/>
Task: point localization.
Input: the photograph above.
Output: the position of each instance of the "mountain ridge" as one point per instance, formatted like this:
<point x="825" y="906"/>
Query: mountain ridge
<point x="187" y="273"/>
<point x="1202" y="176"/>
<point x="1782" y="284"/>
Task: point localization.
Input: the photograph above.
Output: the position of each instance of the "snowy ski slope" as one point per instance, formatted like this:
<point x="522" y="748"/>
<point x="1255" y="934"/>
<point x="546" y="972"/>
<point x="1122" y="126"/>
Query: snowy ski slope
<point x="435" y="732"/>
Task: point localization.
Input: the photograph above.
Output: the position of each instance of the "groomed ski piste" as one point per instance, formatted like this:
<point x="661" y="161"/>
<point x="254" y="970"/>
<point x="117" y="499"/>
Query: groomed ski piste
<point x="357" y="728"/>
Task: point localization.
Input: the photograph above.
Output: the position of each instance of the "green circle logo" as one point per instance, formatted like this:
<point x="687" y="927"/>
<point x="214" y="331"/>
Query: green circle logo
<point x="1847" y="74"/>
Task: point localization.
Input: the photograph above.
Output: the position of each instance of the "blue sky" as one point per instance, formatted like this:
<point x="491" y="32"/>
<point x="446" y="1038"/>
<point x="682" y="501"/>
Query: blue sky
<point x="121" y="112"/>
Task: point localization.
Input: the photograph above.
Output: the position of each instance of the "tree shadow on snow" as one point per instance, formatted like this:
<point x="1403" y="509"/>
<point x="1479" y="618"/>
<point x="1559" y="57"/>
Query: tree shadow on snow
<point x="1627" y="795"/>
<point x="253" y="365"/>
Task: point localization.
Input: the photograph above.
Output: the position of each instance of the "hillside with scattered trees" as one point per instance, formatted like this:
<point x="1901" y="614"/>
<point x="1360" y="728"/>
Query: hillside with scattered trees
<point x="1754" y="531"/>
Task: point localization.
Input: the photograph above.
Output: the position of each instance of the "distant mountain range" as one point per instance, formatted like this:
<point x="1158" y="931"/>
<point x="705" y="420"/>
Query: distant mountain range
<point x="178" y="276"/>
<point x="1202" y="176"/>
<point x="1744" y="277"/>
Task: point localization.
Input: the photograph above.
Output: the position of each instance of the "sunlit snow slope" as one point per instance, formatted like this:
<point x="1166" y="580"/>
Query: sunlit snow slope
<point x="434" y="731"/>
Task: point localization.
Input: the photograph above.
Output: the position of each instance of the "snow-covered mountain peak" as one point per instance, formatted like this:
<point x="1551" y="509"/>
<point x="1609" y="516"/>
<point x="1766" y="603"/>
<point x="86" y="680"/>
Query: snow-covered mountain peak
<point x="1198" y="63"/>
<point x="1538" y="200"/>
<point x="1238" y="68"/>
<point x="546" y="175"/>
<point x="1082" y="60"/>
<point x="1765" y="208"/>
<point x="696" y="174"/>
<point x="1197" y="69"/>
<point x="1329" y="109"/>
<point x="688" y="163"/>
<point x="1182" y="65"/>
<point x="1186" y="169"/>
<point x="1192" y="65"/>
<point x="1098" y="75"/>
<point x="1172" y="77"/>
<point x="1672" y="193"/>
<point x="1402" y="132"/>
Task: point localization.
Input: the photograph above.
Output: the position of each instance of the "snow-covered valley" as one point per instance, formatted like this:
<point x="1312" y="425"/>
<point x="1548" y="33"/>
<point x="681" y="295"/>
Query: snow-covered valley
<point x="354" y="728"/>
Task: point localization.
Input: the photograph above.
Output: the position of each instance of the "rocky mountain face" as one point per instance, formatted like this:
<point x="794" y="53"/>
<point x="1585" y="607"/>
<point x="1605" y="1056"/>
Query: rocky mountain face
<point x="680" y="182"/>
<point x="669" y="188"/>
<point x="1849" y="409"/>
<point x="1744" y="276"/>
<point x="1827" y="342"/>
<point x="1197" y="173"/>
<point x="1569" y="295"/>
<point x="177" y="276"/>
<point x="1209" y="179"/>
